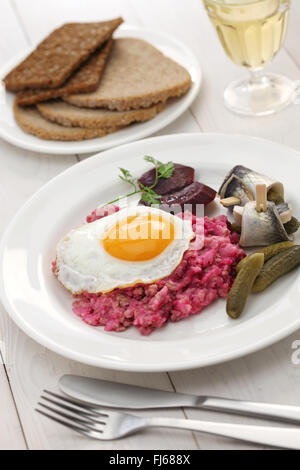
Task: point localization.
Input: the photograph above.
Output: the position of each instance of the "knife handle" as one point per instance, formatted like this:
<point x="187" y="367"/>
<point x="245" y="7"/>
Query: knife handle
<point x="101" y="393"/>
<point x="286" y="413"/>
<point x="287" y="438"/>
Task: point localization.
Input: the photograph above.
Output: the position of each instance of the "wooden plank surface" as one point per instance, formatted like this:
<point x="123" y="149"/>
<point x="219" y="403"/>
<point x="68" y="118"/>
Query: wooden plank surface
<point x="268" y="375"/>
<point x="192" y="26"/>
<point x="11" y="434"/>
<point x="31" y="367"/>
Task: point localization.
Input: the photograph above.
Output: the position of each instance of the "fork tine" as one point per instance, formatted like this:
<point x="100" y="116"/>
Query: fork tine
<point x="89" y="424"/>
<point x="73" y="427"/>
<point x="74" y="409"/>
<point x="67" y="399"/>
<point x="84" y="406"/>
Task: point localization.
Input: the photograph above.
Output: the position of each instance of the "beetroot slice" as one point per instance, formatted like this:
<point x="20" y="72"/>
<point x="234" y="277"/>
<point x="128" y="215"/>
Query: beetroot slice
<point x="182" y="176"/>
<point x="195" y="193"/>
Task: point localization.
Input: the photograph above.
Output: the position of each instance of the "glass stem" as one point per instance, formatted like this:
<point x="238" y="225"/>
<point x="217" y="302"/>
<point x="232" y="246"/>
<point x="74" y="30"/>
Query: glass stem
<point x="256" y="75"/>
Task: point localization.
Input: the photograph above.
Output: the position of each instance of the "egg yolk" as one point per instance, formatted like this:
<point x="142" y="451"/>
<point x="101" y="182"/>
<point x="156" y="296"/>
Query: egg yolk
<point x="139" y="238"/>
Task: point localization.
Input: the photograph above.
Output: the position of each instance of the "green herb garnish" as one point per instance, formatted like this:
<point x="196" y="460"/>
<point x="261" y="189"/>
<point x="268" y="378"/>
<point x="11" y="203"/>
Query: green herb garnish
<point x="127" y="177"/>
<point x="163" y="170"/>
<point x="149" y="196"/>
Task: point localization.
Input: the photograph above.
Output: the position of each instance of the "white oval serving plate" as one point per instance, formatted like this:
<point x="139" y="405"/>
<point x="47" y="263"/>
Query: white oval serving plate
<point x="11" y="132"/>
<point x="42" y="308"/>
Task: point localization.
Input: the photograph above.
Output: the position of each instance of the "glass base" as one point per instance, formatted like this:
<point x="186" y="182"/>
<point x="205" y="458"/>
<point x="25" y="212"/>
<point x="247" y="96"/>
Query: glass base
<point x="259" y="95"/>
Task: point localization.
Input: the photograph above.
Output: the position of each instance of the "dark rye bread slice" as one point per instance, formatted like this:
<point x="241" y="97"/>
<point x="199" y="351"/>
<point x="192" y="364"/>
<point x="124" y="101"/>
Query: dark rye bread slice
<point x="72" y="116"/>
<point x="32" y="122"/>
<point x="84" y="80"/>
<point x="137" y="75"/>
<point x="59" y="55"/>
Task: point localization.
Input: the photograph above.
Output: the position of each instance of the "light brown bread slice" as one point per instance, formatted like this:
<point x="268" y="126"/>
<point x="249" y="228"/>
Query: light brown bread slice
<point x="59" y="55"/>
<point x="69" y="115"/>
<point x="85" y="79"/>
<point x="137" y="75"/>
<point x="32" y="122"/>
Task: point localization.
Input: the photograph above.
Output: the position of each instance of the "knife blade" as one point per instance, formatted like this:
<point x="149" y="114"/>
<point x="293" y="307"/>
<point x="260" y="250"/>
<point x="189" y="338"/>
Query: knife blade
<point x="117" y="395"/>
<point x="99" y="393"/>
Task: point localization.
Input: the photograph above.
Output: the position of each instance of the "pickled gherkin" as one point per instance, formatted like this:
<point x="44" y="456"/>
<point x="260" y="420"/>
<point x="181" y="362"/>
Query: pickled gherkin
<point x="276" y="267"/>
<point x="243" y="284"/>
<point x="269" y="252"/>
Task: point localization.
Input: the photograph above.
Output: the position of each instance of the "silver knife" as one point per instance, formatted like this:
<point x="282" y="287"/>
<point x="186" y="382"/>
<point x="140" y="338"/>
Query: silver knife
<point x="97" y="392"/>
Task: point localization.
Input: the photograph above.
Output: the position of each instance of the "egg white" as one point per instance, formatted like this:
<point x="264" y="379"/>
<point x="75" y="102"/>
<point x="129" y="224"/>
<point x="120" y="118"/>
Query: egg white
<point x="83" y="265"/>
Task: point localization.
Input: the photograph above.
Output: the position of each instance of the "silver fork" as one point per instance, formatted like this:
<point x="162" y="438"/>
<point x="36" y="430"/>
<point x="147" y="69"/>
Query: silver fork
<point x="107" y="425"/>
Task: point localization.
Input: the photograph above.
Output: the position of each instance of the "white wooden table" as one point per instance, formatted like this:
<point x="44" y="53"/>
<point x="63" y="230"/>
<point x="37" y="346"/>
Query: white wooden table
<point x="27" y="367"/>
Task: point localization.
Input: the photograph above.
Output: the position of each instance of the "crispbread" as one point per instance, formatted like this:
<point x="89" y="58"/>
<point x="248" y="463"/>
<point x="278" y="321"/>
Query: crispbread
<point x="31" y="121"/>
<point x="137" y="75"/>
<point x="68" y="115"/>
<point x="85" y="79"/>
<point x="59" y="55"/>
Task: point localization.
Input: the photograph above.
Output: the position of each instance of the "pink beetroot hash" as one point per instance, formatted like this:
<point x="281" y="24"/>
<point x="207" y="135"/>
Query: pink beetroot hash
<point x="202" y="276"/>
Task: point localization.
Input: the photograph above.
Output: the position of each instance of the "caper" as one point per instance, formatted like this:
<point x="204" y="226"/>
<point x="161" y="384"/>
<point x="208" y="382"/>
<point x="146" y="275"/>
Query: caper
<point x="236" y="228"/>
<point x="274" y="196"/>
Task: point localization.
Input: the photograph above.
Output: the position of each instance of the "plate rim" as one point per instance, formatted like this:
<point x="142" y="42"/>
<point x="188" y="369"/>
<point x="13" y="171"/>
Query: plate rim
<point x="133" y="367"/>
<point x="44" y="147"/>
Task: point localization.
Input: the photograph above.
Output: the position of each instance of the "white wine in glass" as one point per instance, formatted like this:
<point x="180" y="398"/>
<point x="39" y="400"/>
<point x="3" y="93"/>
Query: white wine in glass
<point x="251" y="33"/>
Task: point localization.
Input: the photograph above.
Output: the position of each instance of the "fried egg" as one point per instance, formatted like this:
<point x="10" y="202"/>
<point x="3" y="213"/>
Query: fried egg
<point x="135" y="245"/>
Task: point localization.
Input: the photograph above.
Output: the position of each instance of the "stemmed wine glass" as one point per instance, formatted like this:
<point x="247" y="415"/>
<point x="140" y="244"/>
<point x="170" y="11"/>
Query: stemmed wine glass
<point x="251" y="33"/>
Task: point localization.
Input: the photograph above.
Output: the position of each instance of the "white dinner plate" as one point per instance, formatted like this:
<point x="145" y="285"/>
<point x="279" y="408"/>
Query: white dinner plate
<point x="42" y="308"/>
<point x="11" y="132"/>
